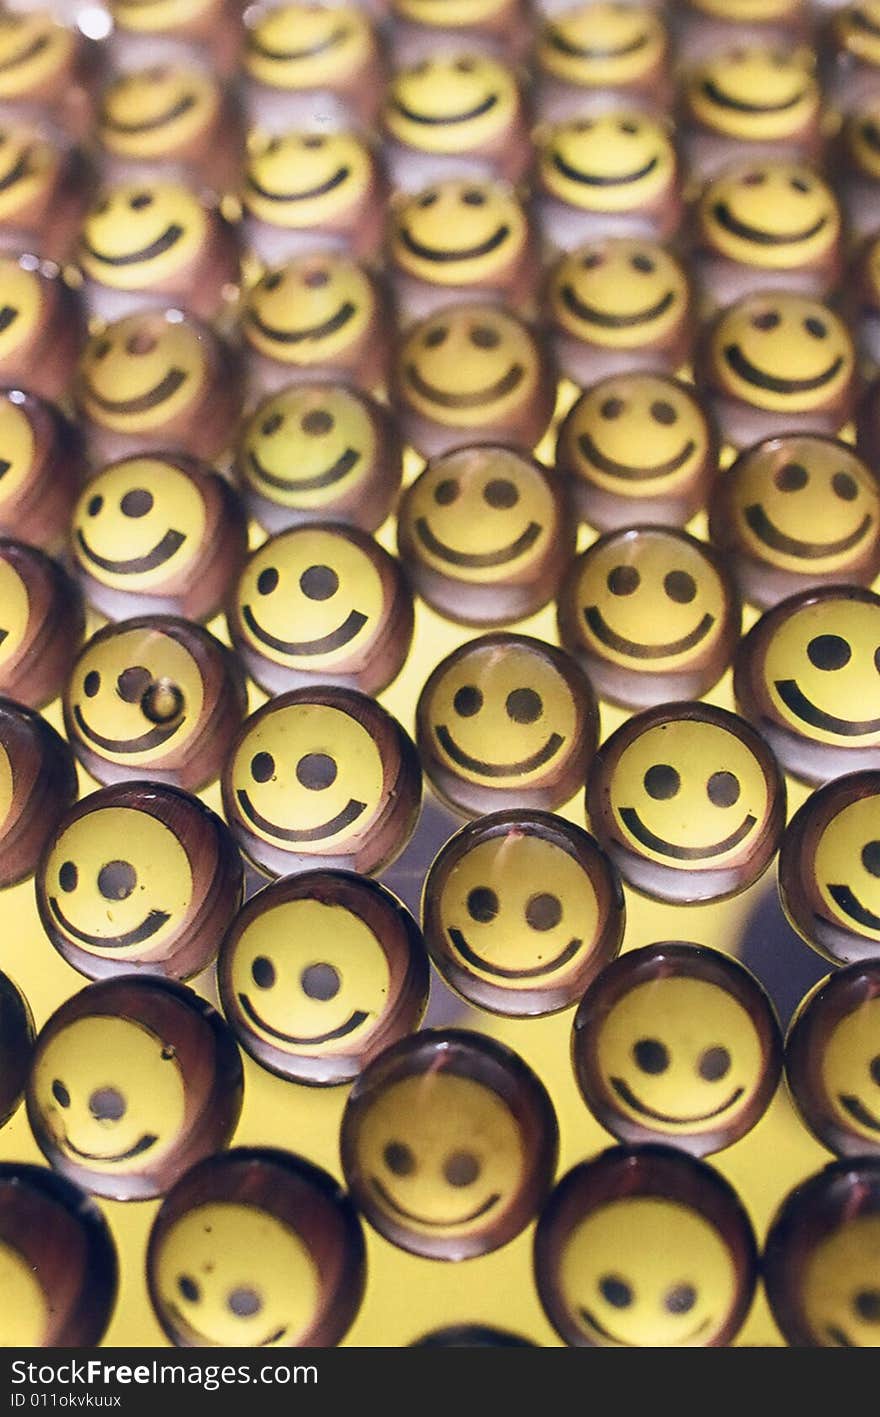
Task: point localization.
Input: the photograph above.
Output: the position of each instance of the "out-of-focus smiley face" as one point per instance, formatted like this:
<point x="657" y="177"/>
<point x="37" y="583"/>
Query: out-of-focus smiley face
<point x="779" y="215"/>
<point x="861" y="138"/>
<point x="850" y="1071"/>
<point x="109" y="1094"/>
<point x="146" y="507"/>
<point x="782" y="352"/>
<point x="137" y="235"/>
<point x="22" y="305"/>
<point x="620" y="293"/>
<point x="312" y="309"/>
<point x="18" y="442"/>
<point x="307" y="447"/>
<point x="451" y="103"/>
<point x="33" y="47"/>
<point x="847" y="868"/>
<point x="141" y="372"/>
<point x="304" y="46"/>
<point x="302" y="180"/>
<point x="753" y="94"/>
<point x="856" y="30"/>
<point x="29" y="168"/>
<point x="230" y="1273"/>
<point x="151" y="112"/>
<point x="602" y="45"/>
<point x="613" y="162"/>
<point x="469" y="365"/>
<point x="841" y="1293"/>
<point x="459" y="232"/>
<point x="15" y="615"/>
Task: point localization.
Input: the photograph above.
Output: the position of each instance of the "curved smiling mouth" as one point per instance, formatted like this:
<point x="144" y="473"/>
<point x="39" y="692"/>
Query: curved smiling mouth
<point x="146" y="1141"/>
<point x="590" y="1318"/>
<point x="857" y="1109"/>
<point x="462" y="253"/>
<point x="624" y="1091"/>
<point x="593" y="179"/>
<point x="341" y="468"/>
<point x="860" y="21"/>
<point x="591" y="316"/>
<point x="328" y="327"/>
<point x="803" y="708"/>
<point x="526" y="765"/>
<point x="476" y="560"/>
<point x="154" y="739"/>
<point x="163" y="551"/>
<point x="30" y="51"/>
<point x="758" y="237"/>
<point x="594" y="51"/>
<point x="19" y="169"/>
<point x="165" y="389"/>
<point x="636" y="827"/>
<point x="339" y="176"/>
<point x="477" y="111"/>
<point x="773" y="383"/>
<point x="423" y="1220"/>
<point x="503" y="386"/>
<point x="309" y="51"/>
<point x="355" y="1021"/>
<point x="763" y="528"/>
<point x="147" y="928"/>
<point x="350" y="627"/>
<point x="149" y="125"/>
<point x="536" y="972"/>
<point x="349" y="814"/>
<point x="170" y="237"/>
<point x="626" y="471"/>
<point x="740" y="105"/>
<point x="845" y="900"/>
<point x="604" y="633"/>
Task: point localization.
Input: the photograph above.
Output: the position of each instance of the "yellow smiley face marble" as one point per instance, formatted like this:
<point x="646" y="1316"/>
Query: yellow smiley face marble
<point x="448" y="1144"/>
<point x="305" y="190"/>
<point x="451" y="104"/>
<point x="778" y="216"/>
<point x="156" y="113"/>
<point x="41" y="470"/>
<point x="832" y="1062"/>
<point x="41" y="624"/>
<point x="603" y="46"/>
<point x="41" y="327"/>
<point x="753" y="94"/>
<point x="306" y="46"/>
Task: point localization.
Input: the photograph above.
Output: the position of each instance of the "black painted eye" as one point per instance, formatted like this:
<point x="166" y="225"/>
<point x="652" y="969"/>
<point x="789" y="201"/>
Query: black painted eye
<point x="874" y="1069"/>
<point x="262" y="767"/>
<point x="137" y="502"/>
<point x="473" y="197"/>
<point x="482" y="904"/>
<point x="680" y="1299"/>
<point x="273" y="281"/>
<point x="399" y="1158"/>
<point x="117" y="880"/>
<point x="500" y="493"/>
<point x="91" y="683"/>
<point x="68" y="877"/>
<point x="845" y="486"/>
<point x="592" y="260"/>
<point x="107" y="1104"/>
<point x="662" y="782"/>
<point x="311" y="141"/>
<point x="651" y="1056"/>
<point x="800" y="184"/>
<point x="524" y="706"/>
<point x="615" y="1291"/>
<point x="714" y="1064"/>
<point x="468" y="701"/>
<point x="60" y="1093"/>
<point x="754" y="179"/>
<point x="428" y="199"/>
<point x="465" y="66"/>
<point x="142" y="200"/>
<point x="828" y="652"/>
<point x="723" y="789"/>
<point x="766" y="320"/>
<point x="628" y="126"/>
<point x="791" y="478"/>
<point x="316" y="771"/>
<point x="680" y="587"/>
<point x="244" y="1303"/>
<point x="871" y="857"/>
<point x="485" y="337"/>
<point x="272" y="424"/>
<point x="267" y="580"/>
<point x="263" y="972"/>
<point x="543" y="911"/>
<point x="612" y="408"/>
<point x="319" y="583"/>
<point x="317" y="422"/>
<point x="663" y="412"/>
<point x="133" y="683"/>
<point x="643" y="264"/>
<point x="446" y="491"/>
<point x="867" y="1305"/>
<point x="315" y="280"/>
<point x="188" y="1288"/>
<point x="461" y="1168"/>
<point x="320" y="982"/>
<point x="623" y="580"/>
<point x="95" y="505"/>
<point x="435" y="336"/>
<point x="817" y="328"/>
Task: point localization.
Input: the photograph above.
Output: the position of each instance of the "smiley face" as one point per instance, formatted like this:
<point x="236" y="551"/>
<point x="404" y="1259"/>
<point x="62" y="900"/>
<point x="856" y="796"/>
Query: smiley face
<point x="41" y="624"/>
<point x="312" y="310"/>
<point x="620" y="293"/>
<point x="296" y="47"/>
<point x="861" y="138"/>
<point x="446" y="1161"/>
<point x="451" y="103"/>
<point x="856" y="31"/>
<point x="832" y="1061"/>
<point x="609" y="618"/>
<point x="133" y="1079"/>
<point x="149" y="113"/>
<point x="782" y="352"/>
<point x="319" y="603"/>
<point x="23" y="307"/>
<point x="321" y="974"/>
<point x="506" y="720"/>
<point x="753" y="94"/>
<point x="620" y="161"/>
<point x="33" y="50"/>
<point x="323" y="773"/>
<point x="602" y="46"/>
<point x="142" y="372"/>
<point x="645" y="1248"/>
<point x="688" y="802"/>
<point x="17" y="624"/>
<point x="809" y="672"/>
<point x="147" y="508"/>
<point x="459" y="233"/>
<point x="496" y="932"/>
<point x="676" y="1042"/>
<point x="30" y="168"/>
<point x="776" y="215"/>
<point x="305" y="180"/>
<point x="139" y="235"/>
